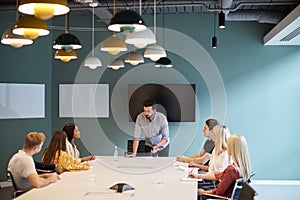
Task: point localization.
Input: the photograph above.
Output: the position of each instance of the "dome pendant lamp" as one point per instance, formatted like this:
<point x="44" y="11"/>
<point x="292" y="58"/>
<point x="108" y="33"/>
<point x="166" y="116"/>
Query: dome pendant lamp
<point x="30" y="27"/>
<point x="93" y="62"/>
<point x="65" y="56"/>
<point x="116" y="64"/>
<point x="113" y="45"/>
<point x="66" y="41"/>
<point x="163" y="62"/>
<point x="134" y="58"/>
<point x="154" y="51"/>
<point x="44" y="9"/>
<point x="127" y="20"/>
<point x="14" y="40"/>
<point x="140" y="39"/>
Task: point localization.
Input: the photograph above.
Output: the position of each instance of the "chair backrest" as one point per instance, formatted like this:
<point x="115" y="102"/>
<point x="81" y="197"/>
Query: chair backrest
<point x="43" y="168"/>
<point x="17" y="191"/>
<point x="247" y="192"/>
<point x="141" y="147"/>
<point x="238" y="187"/>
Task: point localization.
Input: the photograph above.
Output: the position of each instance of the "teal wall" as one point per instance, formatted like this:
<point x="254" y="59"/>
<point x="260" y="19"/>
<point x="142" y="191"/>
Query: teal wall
<point x="29" y="64"/>
<point x="249" y="87"/>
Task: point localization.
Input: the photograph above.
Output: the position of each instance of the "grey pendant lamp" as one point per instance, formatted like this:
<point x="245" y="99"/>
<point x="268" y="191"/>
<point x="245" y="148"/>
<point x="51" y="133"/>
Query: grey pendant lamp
<point x="93" y="62"/>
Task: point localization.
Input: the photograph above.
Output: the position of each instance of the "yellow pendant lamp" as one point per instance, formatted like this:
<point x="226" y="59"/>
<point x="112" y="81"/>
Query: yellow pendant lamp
<point x="44" y="9"/>
<point x="30" y="27"/>
<point x="65" y="56"/>
<point x="14" y="40"/>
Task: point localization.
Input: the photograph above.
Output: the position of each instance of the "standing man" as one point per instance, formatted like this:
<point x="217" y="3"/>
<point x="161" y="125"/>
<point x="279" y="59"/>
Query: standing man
<point x="155" y="127"/>
<point x="22" y="167"/>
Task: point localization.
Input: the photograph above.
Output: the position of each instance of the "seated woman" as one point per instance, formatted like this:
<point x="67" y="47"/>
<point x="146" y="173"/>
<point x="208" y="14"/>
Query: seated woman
<point x="56" y="154"/>
<point x="73" y="133"/>
<point x="219" y="159"/>
<point x="238" y="151"/>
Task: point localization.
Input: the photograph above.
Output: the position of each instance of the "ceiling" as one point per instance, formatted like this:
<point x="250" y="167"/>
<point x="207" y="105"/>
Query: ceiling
<point x="284" y="14"/>
<point x="263" y="11"/>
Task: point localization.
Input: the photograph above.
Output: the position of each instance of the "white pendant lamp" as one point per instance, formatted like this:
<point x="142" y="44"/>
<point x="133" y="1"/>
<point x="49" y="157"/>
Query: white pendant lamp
<point x="140" y="39"/>
<point x="14" y="40"/>
<point x="134" y="58"/>
<point x="44" y="9"/>
<point x="93" y="62"/>
<point x="116" y="64"/>
<point x="155" y="52"/>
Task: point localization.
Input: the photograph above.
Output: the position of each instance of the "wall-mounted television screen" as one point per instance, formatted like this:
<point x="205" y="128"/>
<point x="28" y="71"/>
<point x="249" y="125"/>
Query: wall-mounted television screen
<point x="176" y="101"/>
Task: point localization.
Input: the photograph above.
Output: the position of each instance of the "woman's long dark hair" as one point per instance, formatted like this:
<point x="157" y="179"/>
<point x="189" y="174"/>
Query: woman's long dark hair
<point x="57" y="143"/>
<point x="69" y="129"/>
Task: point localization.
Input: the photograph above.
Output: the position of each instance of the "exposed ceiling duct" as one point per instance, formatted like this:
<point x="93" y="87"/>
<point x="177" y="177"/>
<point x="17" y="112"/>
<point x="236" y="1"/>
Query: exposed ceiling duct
<point x="286" y="32"/>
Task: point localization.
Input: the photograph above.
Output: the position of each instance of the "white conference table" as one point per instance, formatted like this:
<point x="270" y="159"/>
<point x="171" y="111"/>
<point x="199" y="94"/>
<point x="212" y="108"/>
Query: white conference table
<point x="152" y="178"/>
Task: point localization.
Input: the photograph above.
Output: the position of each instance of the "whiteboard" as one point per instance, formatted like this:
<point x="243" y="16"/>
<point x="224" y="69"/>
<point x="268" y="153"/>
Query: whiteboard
<point x="22" y="101"/>
<point x="84" y="100"/>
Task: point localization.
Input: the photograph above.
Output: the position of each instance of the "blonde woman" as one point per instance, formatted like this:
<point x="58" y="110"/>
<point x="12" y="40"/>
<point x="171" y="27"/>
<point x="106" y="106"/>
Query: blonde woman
<point x="219" y="159"/>
<point x="238" y="152"/>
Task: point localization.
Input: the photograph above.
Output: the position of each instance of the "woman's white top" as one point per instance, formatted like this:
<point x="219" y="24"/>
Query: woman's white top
<point x="218" y="163"/>
<point x="72" y="149"/>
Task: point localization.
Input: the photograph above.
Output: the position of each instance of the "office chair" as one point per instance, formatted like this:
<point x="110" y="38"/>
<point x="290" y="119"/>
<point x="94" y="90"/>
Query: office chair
<point x="17" y="192"/>
<point x="140" y="150"/>
<point x="43" y="168"/>
<point x="241" y="191"/>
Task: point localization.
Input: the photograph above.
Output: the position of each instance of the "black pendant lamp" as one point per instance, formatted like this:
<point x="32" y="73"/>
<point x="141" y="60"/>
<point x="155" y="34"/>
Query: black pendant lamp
<point x="127" y="20"/>
<point x="66" y="41"/>
<point x="163" y="62"/>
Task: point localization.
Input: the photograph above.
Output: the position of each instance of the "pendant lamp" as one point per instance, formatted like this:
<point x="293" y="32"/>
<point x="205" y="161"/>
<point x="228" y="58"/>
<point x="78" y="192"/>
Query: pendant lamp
<point x="113" y="45"/>
<point x="66" y="41"/>
<point x="163" y="62"/>
<point x="127" y="20"/>
<point x="17" y="41"/>
<point x="65" y="56"/>
<point x="93" y="62"/>
<point x="140" y="39"/>
<point x="134" y="58"/>
<point x="154" y="51"/>
<point x="30" y="27"/>
<point x="44" y="9"/>
<point x="214" y="39"/>
<point x="116" y="64"/>
<point x="221" y="17"/>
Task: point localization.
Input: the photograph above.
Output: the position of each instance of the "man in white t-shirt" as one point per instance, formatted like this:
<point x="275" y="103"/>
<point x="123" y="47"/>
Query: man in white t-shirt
<point x="22" y="167"/>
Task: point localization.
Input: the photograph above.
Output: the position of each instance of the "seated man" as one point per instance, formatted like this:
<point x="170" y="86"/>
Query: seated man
<point x="22" y="167"/>
<point x="204" y="155"/>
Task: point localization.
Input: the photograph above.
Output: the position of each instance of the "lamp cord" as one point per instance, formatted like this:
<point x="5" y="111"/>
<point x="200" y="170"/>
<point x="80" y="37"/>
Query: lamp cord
<point x="93" y="28"/>
<point x="66" y="23"/>
<point x="214" y="24"/>
<point x="154" y="18"/>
